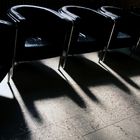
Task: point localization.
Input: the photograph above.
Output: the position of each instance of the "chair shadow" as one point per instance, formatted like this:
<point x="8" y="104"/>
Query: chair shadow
<point x="12" y="122"/>
<point x="36" y="81"/>
<point x="87" y="73"/>
<point x="124" y="65"/>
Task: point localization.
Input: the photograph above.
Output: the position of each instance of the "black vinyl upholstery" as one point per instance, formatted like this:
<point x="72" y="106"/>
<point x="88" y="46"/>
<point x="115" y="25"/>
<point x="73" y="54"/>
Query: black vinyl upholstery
<point x="91" y="29"/>
<point x="126" y="32"/>
<point x="7" y="38"/>
<point x="41" y="32"/>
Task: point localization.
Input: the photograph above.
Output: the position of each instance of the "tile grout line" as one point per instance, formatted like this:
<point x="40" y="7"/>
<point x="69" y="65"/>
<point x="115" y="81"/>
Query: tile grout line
<point x="113" y="124"/>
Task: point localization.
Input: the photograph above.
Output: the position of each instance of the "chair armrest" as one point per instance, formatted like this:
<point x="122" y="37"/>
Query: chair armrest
<point x="113" y="12"/>
<point x="32" y="15"/>
<point x="16" y="16"/>
<point x="88" y="19"/>
<point x="77" y="12"/>
<point x="64" y="12"/>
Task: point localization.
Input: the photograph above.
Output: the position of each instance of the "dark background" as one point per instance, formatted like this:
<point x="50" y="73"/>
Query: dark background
<point x="56" y="4"/>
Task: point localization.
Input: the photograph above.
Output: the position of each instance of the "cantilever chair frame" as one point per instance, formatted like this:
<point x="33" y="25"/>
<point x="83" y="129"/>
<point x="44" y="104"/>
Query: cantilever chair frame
<point x="17" y="18"/>
<point x="64" y="12"/>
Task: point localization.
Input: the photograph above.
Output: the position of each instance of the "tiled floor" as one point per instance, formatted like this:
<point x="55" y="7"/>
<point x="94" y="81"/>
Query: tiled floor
<point x="87" y="101"/>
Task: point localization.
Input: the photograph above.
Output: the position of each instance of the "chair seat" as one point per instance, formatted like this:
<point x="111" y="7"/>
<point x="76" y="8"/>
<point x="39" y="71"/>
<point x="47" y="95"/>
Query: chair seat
<point x="38" y="47"/>
<point x="35" y="42"/>
<point x="85" y="43"/>
<point x="123" y="40"/>
<point x="85" y="38"/>
<point x="122" y="35"/>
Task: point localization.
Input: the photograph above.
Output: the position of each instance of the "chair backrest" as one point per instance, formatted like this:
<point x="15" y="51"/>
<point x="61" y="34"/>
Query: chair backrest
<point x="91" y="23"/>
<point x="7" y="39"/>
<point x="39" y="22"/>
<point x="135" y="13"/>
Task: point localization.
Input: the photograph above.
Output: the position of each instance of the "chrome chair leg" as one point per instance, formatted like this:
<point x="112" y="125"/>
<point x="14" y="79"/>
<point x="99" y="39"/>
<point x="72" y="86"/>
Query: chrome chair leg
<point x="108" y="44"/>
<point x="63" y="57"/>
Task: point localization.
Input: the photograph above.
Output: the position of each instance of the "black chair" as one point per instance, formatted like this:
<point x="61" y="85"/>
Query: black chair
<point x="91" y="30"/>
<point x="125" y="33"/>
<point x="41" y="32"/>
<point x="7" y="38"/>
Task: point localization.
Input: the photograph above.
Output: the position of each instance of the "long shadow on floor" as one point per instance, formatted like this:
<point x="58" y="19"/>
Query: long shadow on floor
<point x="124" y="65"/>
<point x="36" y="81"/>
<point x="87" y="73"/>
<point x="12" y="123"/>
